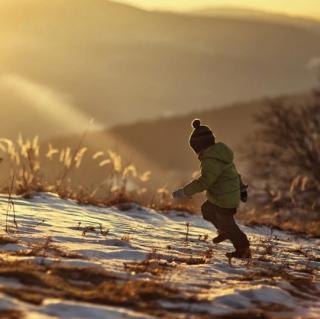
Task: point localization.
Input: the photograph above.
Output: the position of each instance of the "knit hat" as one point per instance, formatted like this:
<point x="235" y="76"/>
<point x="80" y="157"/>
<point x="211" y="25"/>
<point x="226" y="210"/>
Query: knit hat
<point x="201" y="137"/>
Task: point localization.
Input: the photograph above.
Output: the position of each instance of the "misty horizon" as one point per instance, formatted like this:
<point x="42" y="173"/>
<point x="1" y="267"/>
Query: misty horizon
<point x="150" y="65"/>
<point x="212" y="5"/>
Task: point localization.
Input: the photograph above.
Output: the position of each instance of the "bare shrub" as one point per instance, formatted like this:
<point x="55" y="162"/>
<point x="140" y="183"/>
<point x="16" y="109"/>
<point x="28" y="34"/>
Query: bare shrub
<point x="285" y="154"/>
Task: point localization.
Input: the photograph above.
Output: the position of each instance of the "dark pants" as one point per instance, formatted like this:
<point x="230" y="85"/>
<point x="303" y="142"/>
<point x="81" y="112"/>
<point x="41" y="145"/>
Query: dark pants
<point x="223" y="220"/>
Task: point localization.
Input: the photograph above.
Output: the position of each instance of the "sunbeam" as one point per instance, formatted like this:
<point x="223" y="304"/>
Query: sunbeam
<point x="52" y="104"/>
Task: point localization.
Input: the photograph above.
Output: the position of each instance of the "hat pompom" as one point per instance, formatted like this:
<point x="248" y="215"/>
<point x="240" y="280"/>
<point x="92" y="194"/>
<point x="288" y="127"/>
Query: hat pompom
<point x="196" y="123"/>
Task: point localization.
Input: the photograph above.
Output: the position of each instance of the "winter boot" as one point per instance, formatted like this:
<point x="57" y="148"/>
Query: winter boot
<point x="219" y="239"/>
<point x="244" y="253"/>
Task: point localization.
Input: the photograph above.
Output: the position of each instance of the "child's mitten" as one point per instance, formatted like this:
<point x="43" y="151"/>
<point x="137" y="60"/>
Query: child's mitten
<point x="244" y="193"/>
<point x="179" y="194"/>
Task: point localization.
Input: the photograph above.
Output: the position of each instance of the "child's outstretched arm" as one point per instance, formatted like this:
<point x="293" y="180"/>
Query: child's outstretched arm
<point x="210" y="171"/>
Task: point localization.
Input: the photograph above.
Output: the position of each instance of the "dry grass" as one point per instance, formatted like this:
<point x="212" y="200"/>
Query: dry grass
<point x="30" y="171"/>
<point x="297" y="223"/>
<point x="162" y="201"/>
<point x="200" y="259"/>
<point x="158" y="264"/>
<point x="41" y="249"/>
<point x="93" y="285"/>
<point x="93" y="229"/>
<point x="174" y="206"/>
<point x="7" y="240"/>
<point x="11" y="314"/>
<point x="253" y="314"/>
<point x="121" y="185"/>
<point x="87" y="285"/>
<point x="152" y="266"/>
<point x="303" y="284"/>
<point x="30" y="165"/>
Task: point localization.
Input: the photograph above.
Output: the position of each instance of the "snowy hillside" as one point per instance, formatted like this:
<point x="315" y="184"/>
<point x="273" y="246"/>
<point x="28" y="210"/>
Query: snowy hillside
<point x="69" y="261"/>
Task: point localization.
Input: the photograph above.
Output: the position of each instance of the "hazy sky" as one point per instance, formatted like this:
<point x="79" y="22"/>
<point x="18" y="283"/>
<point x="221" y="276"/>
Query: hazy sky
<point x="292" y="7"/>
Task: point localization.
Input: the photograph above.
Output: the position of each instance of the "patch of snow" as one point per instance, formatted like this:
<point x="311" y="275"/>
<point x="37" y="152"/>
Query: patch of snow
<point x="74" y="310"/>
<point x="108" y="238"/>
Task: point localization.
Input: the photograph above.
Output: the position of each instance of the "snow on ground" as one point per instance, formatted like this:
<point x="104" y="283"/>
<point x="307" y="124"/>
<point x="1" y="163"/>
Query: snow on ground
<point x="282" y="280"/>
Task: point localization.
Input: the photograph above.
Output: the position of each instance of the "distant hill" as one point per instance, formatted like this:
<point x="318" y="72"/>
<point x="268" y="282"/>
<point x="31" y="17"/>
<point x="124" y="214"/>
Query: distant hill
<point x="65" y="62"/>
<point x="237" y="12"/>
<point x="248" y="13"/>
<point x="162" y="146"/>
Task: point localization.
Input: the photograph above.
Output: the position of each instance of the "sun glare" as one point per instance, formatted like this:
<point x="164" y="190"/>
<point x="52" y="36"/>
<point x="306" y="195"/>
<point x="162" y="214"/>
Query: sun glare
<point x="45" y="100"/>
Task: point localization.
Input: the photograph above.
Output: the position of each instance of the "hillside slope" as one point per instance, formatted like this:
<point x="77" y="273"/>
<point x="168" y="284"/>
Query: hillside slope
<point x="248" y="13"/>
<point x="162" y="146"/>
<point x="69" y="261"/>
<point x="63" y="63"/>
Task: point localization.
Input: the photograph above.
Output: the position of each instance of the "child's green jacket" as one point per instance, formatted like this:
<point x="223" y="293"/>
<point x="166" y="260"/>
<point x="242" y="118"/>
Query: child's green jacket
<point x="219" y="177"/>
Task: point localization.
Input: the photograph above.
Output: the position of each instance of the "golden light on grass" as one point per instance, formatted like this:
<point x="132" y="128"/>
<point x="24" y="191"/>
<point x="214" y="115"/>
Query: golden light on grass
<point x="51" y="151"/>
<point x="145" y="176"/>
<point x="97" y="155"/>
<point x="104" y="162"/>
<point x="115" y="160"/>
<point x="29" y="166"/>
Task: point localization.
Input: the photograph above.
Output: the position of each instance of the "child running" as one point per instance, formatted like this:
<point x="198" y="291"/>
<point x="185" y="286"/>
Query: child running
<point x="223" y="186"/>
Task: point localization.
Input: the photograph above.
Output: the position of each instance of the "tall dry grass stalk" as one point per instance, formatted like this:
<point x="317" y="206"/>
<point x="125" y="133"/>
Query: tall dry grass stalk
<point x="72" y="159"/>
<point x="10" y="207"/>
<point x="31" y="165"/>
